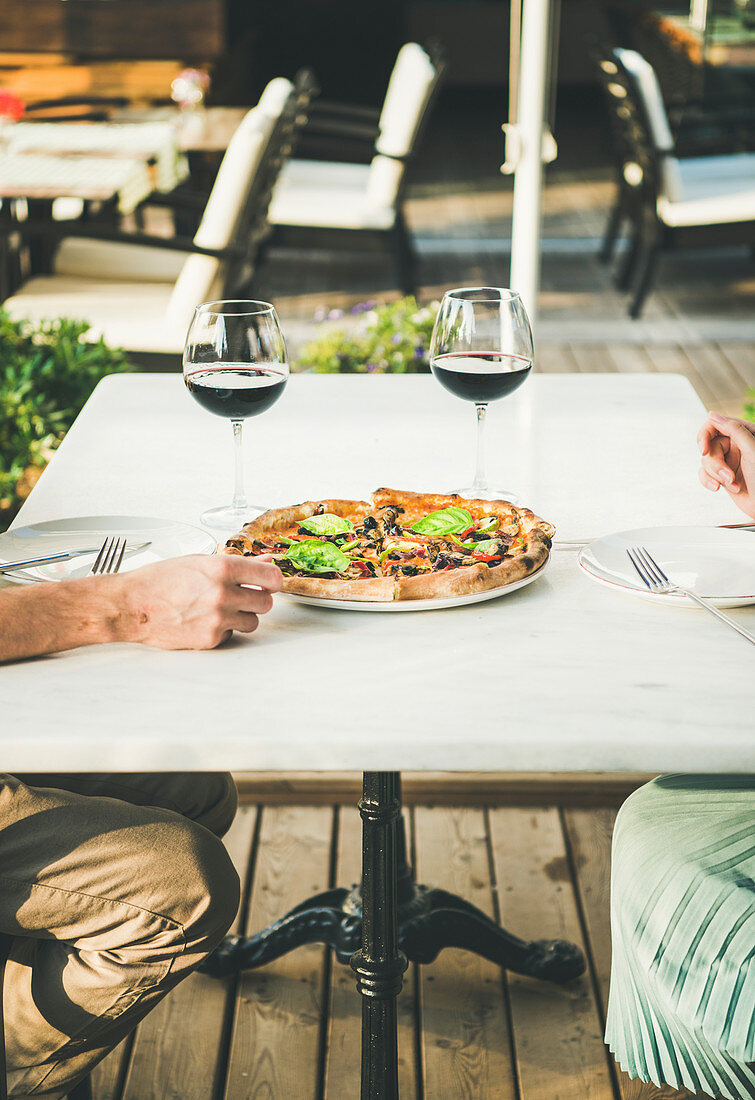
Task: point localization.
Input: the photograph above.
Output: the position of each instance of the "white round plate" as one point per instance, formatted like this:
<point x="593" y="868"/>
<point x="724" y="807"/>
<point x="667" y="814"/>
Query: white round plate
<point x="714" y="562"/>
<point x="418" y="605"/>
<point x="168" y="538"/>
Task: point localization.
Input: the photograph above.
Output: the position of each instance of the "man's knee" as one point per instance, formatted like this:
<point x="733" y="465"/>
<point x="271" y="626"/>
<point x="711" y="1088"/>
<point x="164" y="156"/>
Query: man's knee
<point x="194" y="884"/>
<point x="213" y="892"/>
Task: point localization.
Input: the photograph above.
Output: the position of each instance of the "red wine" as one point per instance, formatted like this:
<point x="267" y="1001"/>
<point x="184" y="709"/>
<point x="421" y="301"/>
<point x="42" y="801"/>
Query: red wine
<point x="481" y="376"/>
<point x="237" y="390"/>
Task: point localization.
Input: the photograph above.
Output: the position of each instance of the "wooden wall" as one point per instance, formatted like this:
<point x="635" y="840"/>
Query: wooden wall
<point x="188" y="29"/>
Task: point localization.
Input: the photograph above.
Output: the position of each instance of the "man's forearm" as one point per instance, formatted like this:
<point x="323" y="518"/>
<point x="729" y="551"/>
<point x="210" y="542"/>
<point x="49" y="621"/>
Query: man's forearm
<point x="47" y="618"/>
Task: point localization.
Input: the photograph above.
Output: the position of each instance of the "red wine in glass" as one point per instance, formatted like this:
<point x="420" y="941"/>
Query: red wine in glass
<point x="236" y="391"/>
<point x="481" y="350"/>
<point x="480" y="376"/>
<point x="235" y="365"/>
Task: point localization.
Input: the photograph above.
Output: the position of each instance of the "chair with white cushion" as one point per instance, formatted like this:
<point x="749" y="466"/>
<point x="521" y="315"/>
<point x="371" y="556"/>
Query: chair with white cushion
<point x="139" y="291"/>
<point x="671" y="202"/>
<point x="332" y="204"/>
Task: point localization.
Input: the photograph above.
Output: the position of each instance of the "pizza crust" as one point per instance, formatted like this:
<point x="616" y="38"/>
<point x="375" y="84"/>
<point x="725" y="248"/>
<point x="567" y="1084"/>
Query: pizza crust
<point x="369" y="590"/>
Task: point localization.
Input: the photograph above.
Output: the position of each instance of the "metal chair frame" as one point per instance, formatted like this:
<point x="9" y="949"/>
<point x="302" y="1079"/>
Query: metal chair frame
<point x="638" y="163"/>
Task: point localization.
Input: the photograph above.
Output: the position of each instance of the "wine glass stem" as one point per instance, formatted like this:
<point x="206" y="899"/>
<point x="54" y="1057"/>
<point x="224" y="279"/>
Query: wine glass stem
<point x="239" y="497"/>
<point x="480" y="482"/>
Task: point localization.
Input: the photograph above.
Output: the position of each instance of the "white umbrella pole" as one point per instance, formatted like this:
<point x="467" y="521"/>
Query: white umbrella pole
<point x="528" y="177"/>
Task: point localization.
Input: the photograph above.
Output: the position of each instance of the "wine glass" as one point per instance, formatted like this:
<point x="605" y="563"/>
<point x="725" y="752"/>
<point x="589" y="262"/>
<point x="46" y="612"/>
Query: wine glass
<point x="481" y="350"/>
<point x="235" y="365"/>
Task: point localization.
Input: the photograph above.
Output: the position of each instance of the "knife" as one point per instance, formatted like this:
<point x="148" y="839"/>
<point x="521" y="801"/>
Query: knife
<point x="577" y="544"/>
<point x="7" y="566"/>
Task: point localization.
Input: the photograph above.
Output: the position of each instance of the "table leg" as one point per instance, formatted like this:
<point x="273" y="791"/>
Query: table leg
<point x="379" y="965"/>
<point x="395" y="919"/>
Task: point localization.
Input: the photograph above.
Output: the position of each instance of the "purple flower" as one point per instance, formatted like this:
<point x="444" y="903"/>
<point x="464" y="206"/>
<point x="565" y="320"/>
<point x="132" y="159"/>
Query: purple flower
<point x="320" y="314"/>
<point x="396" y="338"/>
<point x="419" y="352"/>
<point x="371" y="368"/>
<point x="335" y="314"/>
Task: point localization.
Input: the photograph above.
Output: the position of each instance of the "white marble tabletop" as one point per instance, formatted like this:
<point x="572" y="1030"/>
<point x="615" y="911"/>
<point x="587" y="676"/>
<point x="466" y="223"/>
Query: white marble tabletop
<point x="563" y="675"/>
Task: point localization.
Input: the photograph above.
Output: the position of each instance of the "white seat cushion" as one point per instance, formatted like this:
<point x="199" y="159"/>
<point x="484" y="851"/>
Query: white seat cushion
<point x="711" y="191"/>
<point x="89" y="258"/>
<point x="125" y="314"/>
<point x="405" y="100"/>
<point x="331" y="195"/>
<point x="312" y="174"/>
<point x="679" y="175"/>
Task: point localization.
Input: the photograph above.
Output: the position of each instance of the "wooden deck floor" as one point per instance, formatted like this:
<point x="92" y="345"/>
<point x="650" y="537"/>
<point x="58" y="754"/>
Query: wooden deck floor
<point x="291" y="1030"/>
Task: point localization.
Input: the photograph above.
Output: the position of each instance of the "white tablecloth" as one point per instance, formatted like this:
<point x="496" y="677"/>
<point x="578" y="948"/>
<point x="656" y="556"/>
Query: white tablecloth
<point x="155" y="142"/>
<point x="563" y="675"/>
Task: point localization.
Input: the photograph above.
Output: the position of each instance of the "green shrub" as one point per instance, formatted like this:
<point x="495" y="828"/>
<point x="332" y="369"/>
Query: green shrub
<point x="750" y="405"/>
<point x="46" y="375"/>
<point x="388" y="339"/>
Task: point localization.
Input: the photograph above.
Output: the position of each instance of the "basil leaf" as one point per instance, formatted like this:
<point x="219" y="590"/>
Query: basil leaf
<point x="446" y="521"/>
<point x="316" y="556"/>
<point x="326" y="524"/>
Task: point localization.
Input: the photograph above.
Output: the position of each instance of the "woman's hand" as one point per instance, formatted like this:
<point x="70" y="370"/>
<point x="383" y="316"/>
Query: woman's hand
<point x="727" y="446"/>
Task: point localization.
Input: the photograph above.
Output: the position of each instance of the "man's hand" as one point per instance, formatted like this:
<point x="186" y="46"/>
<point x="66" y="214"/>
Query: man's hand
<point x="727" y="446"/>
<point x="185" y="603"/>
<point x="197" y="602"/>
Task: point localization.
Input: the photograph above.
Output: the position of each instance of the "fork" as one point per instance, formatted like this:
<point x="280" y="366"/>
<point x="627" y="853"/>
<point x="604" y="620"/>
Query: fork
<point x="656" y="580"/>
<point x="110" y="556"/>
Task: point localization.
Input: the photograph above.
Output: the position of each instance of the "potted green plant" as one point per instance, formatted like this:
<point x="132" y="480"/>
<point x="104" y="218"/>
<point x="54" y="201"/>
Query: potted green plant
<point x="47" y="373"/>
<point x="372" y="339"/>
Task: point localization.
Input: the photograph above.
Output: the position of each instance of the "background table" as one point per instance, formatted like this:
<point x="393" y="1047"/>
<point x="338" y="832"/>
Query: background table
<point x="154" y="143"/>
<point x="563" y="675"/>
<point x="98" y="179"/>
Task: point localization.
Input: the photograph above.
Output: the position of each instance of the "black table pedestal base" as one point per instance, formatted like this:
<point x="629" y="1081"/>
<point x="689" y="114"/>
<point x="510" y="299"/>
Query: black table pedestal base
<point x="428" y="921"/>
<point x="390" y="919"/>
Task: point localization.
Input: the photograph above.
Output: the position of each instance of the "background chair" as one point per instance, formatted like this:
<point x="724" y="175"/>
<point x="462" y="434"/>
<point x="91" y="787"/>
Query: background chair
<point x="74" y="108"/>
<point x="336" y="204"/>
<point x="139" y="291"/>
<point x="670" y="202"/>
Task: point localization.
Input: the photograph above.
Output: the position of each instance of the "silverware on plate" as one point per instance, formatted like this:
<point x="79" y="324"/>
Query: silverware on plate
<point x="110" y="556"/>
<point x="577" y="544"/>
<point x="656" y="580"/>
<point x="65" y="555"/>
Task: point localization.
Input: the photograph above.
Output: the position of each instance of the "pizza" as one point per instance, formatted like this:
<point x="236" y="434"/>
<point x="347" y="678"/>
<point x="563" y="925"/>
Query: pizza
<point x="398" y="546"/>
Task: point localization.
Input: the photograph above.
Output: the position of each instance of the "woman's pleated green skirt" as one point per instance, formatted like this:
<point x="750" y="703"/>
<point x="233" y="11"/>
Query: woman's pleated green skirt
<point x="682" y="1003"/>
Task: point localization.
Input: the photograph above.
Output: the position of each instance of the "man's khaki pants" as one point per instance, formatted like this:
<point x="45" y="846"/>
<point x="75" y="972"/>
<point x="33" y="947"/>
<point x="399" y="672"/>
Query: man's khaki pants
<point x="115" y="887"/>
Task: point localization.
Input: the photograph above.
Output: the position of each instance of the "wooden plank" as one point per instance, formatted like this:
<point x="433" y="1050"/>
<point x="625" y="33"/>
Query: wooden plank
<point x="139" y="80"/>
<point x="593" y="358"/>
<point x="275" y="1043"/>
<point x="589" y="833"/>
<point x="630" y="358"/>
<point x="108" y="1076"/>
<point x="343" y="1053"/>
<point x="16" y="60"/>
<point x="177" y="1049"/>
<point x="742" y="358"/>
<point x="554" y="359"/>
<point x="719" y="374"/>
<point x="444" y="788"/>
<point x="672" y="357"/>
<point x="557" y="1030"/>
<point x="465" y="1028"/>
